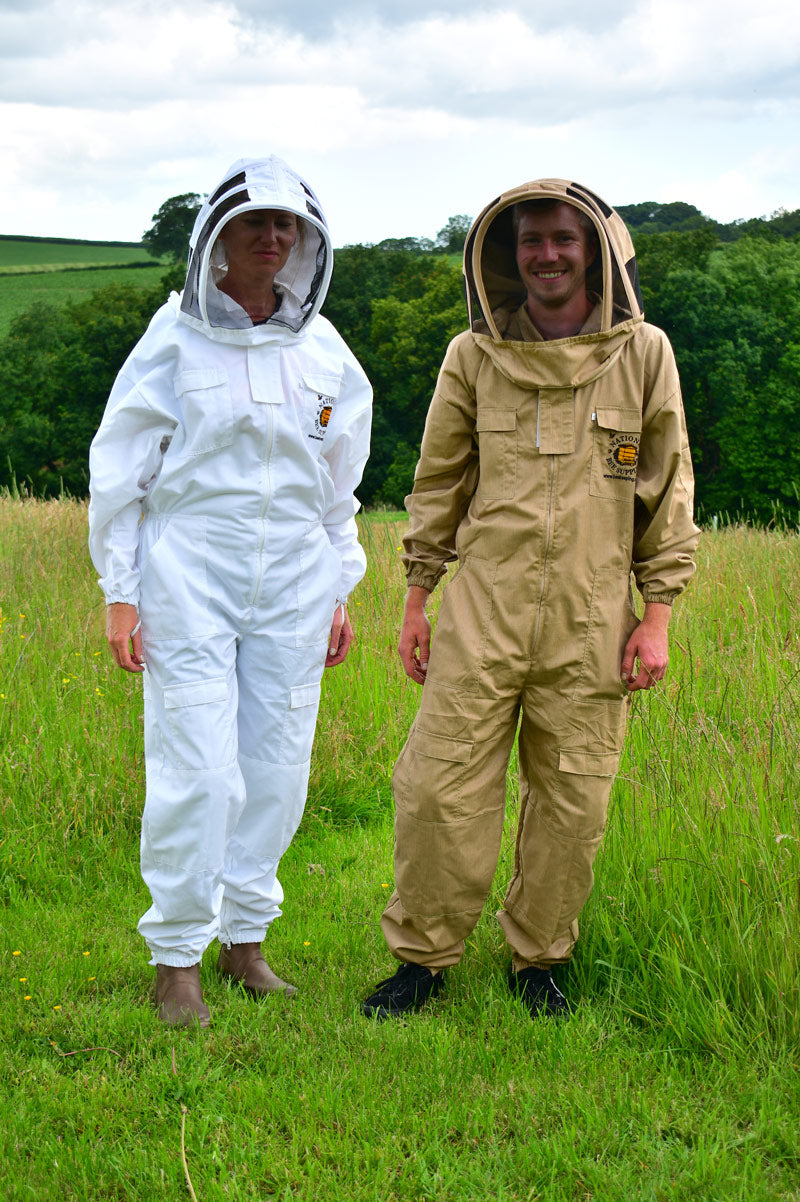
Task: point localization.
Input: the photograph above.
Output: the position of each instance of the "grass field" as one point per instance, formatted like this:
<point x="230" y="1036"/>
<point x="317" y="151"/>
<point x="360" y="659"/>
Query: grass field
<point x="61" y="271"/>
<point x="675" y="1079"/>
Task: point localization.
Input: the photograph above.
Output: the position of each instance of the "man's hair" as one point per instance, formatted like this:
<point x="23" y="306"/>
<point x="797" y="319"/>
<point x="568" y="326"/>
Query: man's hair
<point x="544" y="204"/>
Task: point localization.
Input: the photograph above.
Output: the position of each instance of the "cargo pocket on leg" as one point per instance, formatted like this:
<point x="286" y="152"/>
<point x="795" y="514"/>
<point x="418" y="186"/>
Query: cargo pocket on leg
<point x="585" y="780"/>
<point x="300" y="723"/>
<point x="445" y="852"/>
<point x="200" y="733"/>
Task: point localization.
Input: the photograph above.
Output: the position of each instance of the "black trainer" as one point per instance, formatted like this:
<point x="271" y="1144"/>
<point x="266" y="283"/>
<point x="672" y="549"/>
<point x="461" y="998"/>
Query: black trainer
<point x="407" y="990"/>
<point x="539" y="992"/>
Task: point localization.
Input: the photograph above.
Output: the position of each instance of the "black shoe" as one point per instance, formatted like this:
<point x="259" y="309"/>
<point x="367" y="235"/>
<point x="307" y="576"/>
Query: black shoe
<point x="407" y="990"/>
<point x="539" y="992"/>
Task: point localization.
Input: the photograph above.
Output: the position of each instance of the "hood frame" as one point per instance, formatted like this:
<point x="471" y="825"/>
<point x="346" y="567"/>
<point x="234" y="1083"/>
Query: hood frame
<point x="617" y="254"/>
<point x="250" y="184"/>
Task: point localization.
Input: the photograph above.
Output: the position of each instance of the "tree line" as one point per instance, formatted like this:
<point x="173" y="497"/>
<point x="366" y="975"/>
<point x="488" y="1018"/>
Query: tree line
<point x="727" y="296"/>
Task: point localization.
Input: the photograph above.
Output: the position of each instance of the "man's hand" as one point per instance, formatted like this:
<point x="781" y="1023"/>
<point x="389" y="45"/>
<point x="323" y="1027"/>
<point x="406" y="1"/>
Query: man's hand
<point x="415" y="636"/>
<point x="649" y="645"/>
<point x="341" y="637"/>
<point x="126" y="647"/>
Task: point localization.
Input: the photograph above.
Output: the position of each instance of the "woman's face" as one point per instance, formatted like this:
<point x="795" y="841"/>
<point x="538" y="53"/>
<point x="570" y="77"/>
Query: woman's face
<point x="258" y="243"/>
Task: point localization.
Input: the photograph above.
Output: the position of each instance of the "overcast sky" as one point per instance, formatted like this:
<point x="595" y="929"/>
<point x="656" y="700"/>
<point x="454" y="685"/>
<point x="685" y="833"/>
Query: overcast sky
<point x="399" y="115"/>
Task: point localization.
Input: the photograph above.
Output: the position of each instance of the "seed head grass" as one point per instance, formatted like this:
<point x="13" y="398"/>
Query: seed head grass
<point x="677" y="1076"/>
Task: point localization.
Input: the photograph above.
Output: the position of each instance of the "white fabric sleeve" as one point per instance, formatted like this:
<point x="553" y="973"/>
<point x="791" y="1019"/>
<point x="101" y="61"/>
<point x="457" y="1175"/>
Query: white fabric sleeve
<point x="124" y="460"/>
<point x="346" y="457"/>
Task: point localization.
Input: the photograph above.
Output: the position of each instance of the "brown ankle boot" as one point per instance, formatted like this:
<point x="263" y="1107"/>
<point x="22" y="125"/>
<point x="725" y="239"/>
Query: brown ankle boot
<point x="179" y="998"/>
<point x="245" y="962"/>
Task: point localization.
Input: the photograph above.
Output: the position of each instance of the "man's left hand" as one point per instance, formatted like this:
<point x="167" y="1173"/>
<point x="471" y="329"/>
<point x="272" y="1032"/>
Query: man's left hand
<point x="649" y="645"/>
<point x="341" y="637"/>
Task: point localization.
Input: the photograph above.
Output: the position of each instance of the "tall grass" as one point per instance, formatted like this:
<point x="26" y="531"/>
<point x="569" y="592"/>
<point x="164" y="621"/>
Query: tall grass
<point x="695" y="917"/>
<point x="677" y="1076"/>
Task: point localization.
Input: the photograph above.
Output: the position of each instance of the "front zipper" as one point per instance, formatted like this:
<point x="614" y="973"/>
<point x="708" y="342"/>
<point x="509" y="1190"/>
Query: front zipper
<point x="545" y="557"/>
<point x="265" y="503"/>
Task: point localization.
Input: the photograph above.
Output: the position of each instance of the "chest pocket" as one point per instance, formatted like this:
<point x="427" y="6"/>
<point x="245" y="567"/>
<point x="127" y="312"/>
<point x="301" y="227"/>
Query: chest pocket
<point x="615" y="453"/>
<point x="205" y="396"/>
<point x="497" y="448"/>
<point x="319" y="394"/>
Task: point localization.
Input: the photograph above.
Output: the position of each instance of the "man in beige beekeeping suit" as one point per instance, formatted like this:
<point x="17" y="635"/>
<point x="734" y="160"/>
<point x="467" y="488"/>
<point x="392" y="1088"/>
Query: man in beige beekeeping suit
<point x="554" y="464"/>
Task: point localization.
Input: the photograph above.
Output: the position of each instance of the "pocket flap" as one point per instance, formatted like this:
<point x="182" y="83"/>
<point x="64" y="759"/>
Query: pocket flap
<point x="627" y="420"/>
<point x="323" y="383"/>
<point x="199" y="692"/>
<point x="303" y="694"/>
<point x="195" y="379"/>
<point x="439" y="747"/>
<point x="589" y="763"/>
<point x="496" y="419"/>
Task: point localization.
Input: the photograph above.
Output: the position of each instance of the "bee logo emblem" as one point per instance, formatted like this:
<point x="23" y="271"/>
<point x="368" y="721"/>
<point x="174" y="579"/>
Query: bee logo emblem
<point x="624" y="455"/>
<point x="622" y="458"/>
<point x="322" y="416"/>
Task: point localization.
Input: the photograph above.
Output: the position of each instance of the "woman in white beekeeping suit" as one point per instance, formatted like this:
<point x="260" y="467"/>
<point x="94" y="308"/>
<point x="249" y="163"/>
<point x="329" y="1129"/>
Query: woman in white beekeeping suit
<point x="222" y="523"/>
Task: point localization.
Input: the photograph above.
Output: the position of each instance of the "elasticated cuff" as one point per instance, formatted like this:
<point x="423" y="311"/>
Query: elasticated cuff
<point x="659" y="598"/>
<point x="426" y="580"/>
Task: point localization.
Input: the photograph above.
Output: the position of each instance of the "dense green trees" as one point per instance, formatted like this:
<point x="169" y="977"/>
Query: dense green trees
<point x="733" y="316"/>
<point x="56" y="369"/>
<point x="398" y="311"/>
<point x="453" y="234"/>
<point x="731" y="307"/>
<point x="650" y="217"/>
<point x="168" y="236"/>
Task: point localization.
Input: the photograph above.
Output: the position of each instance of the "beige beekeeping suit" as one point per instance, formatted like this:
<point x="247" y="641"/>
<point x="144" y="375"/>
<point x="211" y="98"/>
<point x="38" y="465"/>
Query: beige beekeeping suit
<point x="556" y="473"/>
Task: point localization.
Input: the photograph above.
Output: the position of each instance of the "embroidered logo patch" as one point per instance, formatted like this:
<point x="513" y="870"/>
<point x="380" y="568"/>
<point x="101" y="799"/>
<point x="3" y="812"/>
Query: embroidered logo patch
<point x="622" y="457"/>
<point x="322" y="416"/>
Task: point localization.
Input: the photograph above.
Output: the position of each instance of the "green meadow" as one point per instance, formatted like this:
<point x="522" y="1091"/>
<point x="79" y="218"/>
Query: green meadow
<point x="58" y="271"/>
<point x="677" y="1076"/>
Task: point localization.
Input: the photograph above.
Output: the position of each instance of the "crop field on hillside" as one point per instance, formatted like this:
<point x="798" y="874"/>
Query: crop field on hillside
<point x="676" y="1077"/>
<point x="55" y="272"/>
<point x="21" y="255"/>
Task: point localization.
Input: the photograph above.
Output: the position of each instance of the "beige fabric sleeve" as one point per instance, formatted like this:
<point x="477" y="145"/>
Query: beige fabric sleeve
<point x="447" y="472"/>
<point x="665" y="536"/>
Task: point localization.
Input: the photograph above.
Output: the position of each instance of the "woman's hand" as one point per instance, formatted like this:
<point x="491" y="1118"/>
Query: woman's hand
<point x="341" y="637"/>
<point x="126" y="646"/>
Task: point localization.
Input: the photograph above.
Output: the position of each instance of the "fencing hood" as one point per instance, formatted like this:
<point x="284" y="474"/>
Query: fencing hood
<point x="302" y="284"/>
<point x="495" y="290"/>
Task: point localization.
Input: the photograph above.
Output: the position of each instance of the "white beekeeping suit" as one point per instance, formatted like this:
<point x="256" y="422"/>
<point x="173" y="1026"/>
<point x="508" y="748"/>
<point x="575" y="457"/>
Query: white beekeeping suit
<point x="222" y="505"/>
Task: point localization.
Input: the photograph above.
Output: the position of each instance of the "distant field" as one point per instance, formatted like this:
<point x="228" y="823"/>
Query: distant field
<point x="20" y="255"/>
<point x="57" y="272"/>
<point x="18" y="293"/>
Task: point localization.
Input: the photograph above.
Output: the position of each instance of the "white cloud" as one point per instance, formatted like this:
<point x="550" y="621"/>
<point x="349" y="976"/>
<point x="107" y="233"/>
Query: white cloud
<point x="399" y="122"/>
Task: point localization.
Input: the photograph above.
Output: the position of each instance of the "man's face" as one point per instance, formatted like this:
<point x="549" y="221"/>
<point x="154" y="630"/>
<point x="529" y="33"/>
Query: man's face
<point x="552" y="255"/>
